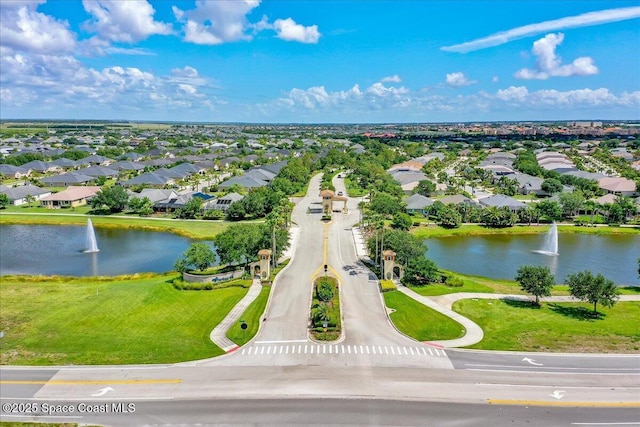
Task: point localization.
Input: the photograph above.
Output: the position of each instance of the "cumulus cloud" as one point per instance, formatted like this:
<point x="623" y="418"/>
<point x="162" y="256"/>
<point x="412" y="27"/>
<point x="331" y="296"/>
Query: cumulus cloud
<point x="549" y="64"/>
<point x="289" y="30"/>
<point x="458" y="80"/>
<point x="123" y="21"/>
<point x="216" y="22"/>
<point x="391" y="79"/>
<point x="23" y="28"/>
<point x="582" y="20"/>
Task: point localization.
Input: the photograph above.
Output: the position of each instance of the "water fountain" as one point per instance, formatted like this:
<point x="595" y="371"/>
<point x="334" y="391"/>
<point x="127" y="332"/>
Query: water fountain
<point x="92" y="244"/>
<point x="550" y="245"/>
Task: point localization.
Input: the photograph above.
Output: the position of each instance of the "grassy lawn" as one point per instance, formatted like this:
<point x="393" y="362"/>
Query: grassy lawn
<point x="475" y="230"/>
<point x="189" y="228"/>
<point x="252" y="317"/>
<point x="120" y="320"/>
<point x="556" y="327"/>
<point x="418" y="321"/>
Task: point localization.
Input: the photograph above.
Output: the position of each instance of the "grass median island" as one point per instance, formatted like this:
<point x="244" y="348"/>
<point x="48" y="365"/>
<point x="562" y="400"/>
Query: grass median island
<point x="554" y="327"/>
<point x="119" y="320"/>
<point x="252" y="317"/>
<point x="419" y="321"/>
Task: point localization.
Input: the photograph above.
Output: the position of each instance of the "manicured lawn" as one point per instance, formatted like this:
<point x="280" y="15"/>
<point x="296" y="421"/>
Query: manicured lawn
<point x="474" y="230"/>
<point x="555" y="327"/>
<point x="418" y="321"/>
<point x="121" y="320"/>
<point x="189" y="228"/>
<point x="252" y="317"/>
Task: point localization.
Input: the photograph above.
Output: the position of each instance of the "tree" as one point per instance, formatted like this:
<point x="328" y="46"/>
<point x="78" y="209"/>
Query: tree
<point x="30" y="199"/>
<point x="551" y="186"/>
<point x="449" y="217"/>
<point x="236" y="211"/>
<point x="550" y="209"/>
<point x="114" y="198"/>
<point x="421" y="271"/>
<point x="191" y="209"/>
<point x="199" y="255"/>
<point x="535" y="280"/>
<point x="425" y="187"/>
<point x="594" y="289"/>
<point x="321" y="314"/>
<point x="401" y="221"/>
<point x="572" y="202"/>
<point x="141" y="206"/>
<point x="4" y="200"/>
<point x="325" y="291"/>
<point x="385" y="204"/>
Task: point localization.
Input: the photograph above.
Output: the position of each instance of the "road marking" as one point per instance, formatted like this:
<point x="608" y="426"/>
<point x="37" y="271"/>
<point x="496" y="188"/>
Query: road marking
<point x="330" y="349"/>
<point x="293" y="349"/>
<point x="386" y="350"/>
<point x="349" y="348"/>
<point x="373" y="347"/>
<point x="103" y="391"/>
<point x="286" y="350"/>
<point x="324" y="349"/>
<point x="361" y="350"/>
<point x="564" y="403"/>
<point x="243" y="350"/>
<point x="262" y="350"/>
<point x="405" y="351"/>
<point x="269" y="350"/>
<point x="305" y="349"/>
<point x="411" y="349"/>
<point x="300" y="349"/>
<point x="280" y="350"/>
<point x="424" y="351"/>
<point x="92" y="382"/>
<point x="430" y="352"/>
<point x="399" y="351"/>
<point x="531" y="361"/>
<point x="392" y="351"/>
<point x="367" y="347"/>
<point x="558" y="394"/>
<point x="342" y="348"/>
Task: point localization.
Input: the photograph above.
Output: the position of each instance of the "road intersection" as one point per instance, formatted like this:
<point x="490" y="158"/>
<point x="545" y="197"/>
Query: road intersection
<point x="371" y="362"/>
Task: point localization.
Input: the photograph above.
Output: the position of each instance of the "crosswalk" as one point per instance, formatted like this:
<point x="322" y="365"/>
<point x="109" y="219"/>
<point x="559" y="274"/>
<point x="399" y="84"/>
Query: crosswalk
<point x="346" y="349"/>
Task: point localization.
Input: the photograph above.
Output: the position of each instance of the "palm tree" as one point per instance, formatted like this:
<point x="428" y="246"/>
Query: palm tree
<point x="322" y="314"/>
<point x="591" y="206"/>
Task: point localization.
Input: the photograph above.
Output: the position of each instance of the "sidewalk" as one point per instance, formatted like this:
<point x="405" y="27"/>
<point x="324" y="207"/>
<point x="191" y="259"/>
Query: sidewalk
<point x="219" y="333"/>
<point x="361" y="246"/>
<point x="474" y="333"/>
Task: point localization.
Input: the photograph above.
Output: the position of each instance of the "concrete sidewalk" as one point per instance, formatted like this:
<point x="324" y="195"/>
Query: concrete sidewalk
<point x="219" y="333"/>
<point x="361" y="246"/>
<point x="474" y="333"/>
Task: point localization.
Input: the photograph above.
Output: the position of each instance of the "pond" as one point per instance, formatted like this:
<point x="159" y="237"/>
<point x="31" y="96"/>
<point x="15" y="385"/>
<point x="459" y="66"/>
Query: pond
<point x="58" y="250"/>
<point x="500" y="255"/>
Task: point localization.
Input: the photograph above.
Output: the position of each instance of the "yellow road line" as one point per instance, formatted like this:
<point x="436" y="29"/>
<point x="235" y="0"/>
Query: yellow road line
<point x="93" y="382"/>
<point x="565" y="403"/>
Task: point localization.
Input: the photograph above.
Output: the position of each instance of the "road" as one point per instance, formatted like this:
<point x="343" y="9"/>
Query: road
<point x="373" y="375"/>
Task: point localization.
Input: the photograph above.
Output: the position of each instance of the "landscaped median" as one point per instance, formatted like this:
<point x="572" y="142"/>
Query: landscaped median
<point x="326" y="320"/>
<point x="109" y="320"/>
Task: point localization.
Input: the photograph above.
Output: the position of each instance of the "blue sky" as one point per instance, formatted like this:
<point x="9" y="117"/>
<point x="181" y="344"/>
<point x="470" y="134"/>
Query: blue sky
<point x="278" y="61"/>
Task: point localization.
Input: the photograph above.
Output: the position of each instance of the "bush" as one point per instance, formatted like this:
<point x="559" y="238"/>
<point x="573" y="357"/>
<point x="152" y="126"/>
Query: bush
<point x="454" y="281"/>
<point x="387" y="285"/>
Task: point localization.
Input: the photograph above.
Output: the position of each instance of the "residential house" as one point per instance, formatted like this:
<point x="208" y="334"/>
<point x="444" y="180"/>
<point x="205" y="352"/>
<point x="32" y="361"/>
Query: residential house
<point x="66" y="179"/>
<point x="11" y="171"/>
<point x="18" y="195"/>
<point x="149" y="179"/>
<point x="619" y="186"/>
<point x="417" y="203"/>
<point x="224" y="202"/>
<point x="500" y="200"/>
<point x="72" y="197"/>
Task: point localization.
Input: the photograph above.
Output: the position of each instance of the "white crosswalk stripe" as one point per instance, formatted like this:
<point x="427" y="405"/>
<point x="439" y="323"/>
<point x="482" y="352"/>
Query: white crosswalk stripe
<point x="329" y="349"/>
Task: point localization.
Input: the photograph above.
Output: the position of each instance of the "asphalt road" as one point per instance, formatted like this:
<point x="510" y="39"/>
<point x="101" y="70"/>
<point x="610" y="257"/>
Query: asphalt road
<point x="372" y="376"/>
<point x="343" y="412"/>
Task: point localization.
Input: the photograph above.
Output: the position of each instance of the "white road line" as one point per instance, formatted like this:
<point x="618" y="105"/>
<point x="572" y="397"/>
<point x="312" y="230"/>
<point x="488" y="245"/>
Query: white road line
<point x="286" y="349"/>
<point x="243" y="350"/>
<point x="443" y="353"/>
<point x="324" y="349"/>
<point x="393" y="351"/>
<point x="269" y="350"/>
<point x="411" y="349"/>
<point x="293" y="349"/>
<point x="342" y="348"/>
<point x="399" y="350"/>
<point x="424" y="351"/>
<point x="249" y="350"/>
<point x="405" y="350"/>
<point x="261" y="350"/>
<point x="367" y="347"/>
<point x="349" y="348"/>
<point x="361" y="350"/>
<point x="305" y="349"/>
<point x="300" y="349"/>
<point x="386" y="349"/>
<point x="280" y="349"/>
<point x="330" y="349"/>
<point x="380" y="349"/>
<point x="430" y="352"/>
<point x="373" y="347"/>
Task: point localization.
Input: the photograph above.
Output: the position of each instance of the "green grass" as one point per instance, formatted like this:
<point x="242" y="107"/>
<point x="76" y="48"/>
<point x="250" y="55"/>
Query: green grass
<point x="188" y="228"/>
<point x="121" y="320"/>
<point x="419" y="321"/>
<point x="555" y="327"/>
<point x="252" y="316"/>
<point x="334" y="328"/>
<point x="475" y="230"/>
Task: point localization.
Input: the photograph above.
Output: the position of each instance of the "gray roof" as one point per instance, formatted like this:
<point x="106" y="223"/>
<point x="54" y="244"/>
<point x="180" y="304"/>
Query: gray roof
<point x="66" y="179"/>
<point x="98" y="171"/>
<point x="243" y="181"/>
<point x="12" y="170"/>
<point x="156" y="194"/>
<point x="456" y="199"/>
<point x="149" y="178"/>
<point x="418" y="201"/>
<point x="22" y="191"/>
<point x="127" y="166"/>
<point x="500" y="200"/>
<point x="64" y="162"/>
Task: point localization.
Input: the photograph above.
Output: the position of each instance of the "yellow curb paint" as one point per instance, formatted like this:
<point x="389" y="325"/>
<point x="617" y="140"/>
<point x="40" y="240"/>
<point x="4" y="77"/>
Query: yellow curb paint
<point x="567" y="403"/>
<point x="93" y="382"/>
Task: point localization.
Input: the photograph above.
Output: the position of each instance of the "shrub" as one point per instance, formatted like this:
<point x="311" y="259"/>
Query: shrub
<point x="387" y="285"/>
<point x="454" y="281"/>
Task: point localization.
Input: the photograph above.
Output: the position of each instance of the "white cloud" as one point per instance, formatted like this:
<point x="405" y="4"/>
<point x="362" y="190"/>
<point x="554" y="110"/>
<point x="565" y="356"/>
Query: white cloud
<point x="216" y="22"/>
<point x="289" y="30"/>
<point x="24" y="29"/>
<point x="123" y="21"/>
<point x="458" y="80"/>
<point x="583" y="20"/>
<point x="495" y="79"/>
<point x="391" y="79"/>
<point x="548" y="64"/>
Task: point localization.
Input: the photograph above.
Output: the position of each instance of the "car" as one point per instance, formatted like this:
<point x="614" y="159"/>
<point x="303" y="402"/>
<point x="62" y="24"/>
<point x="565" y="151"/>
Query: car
<point x="340" y="193"/>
